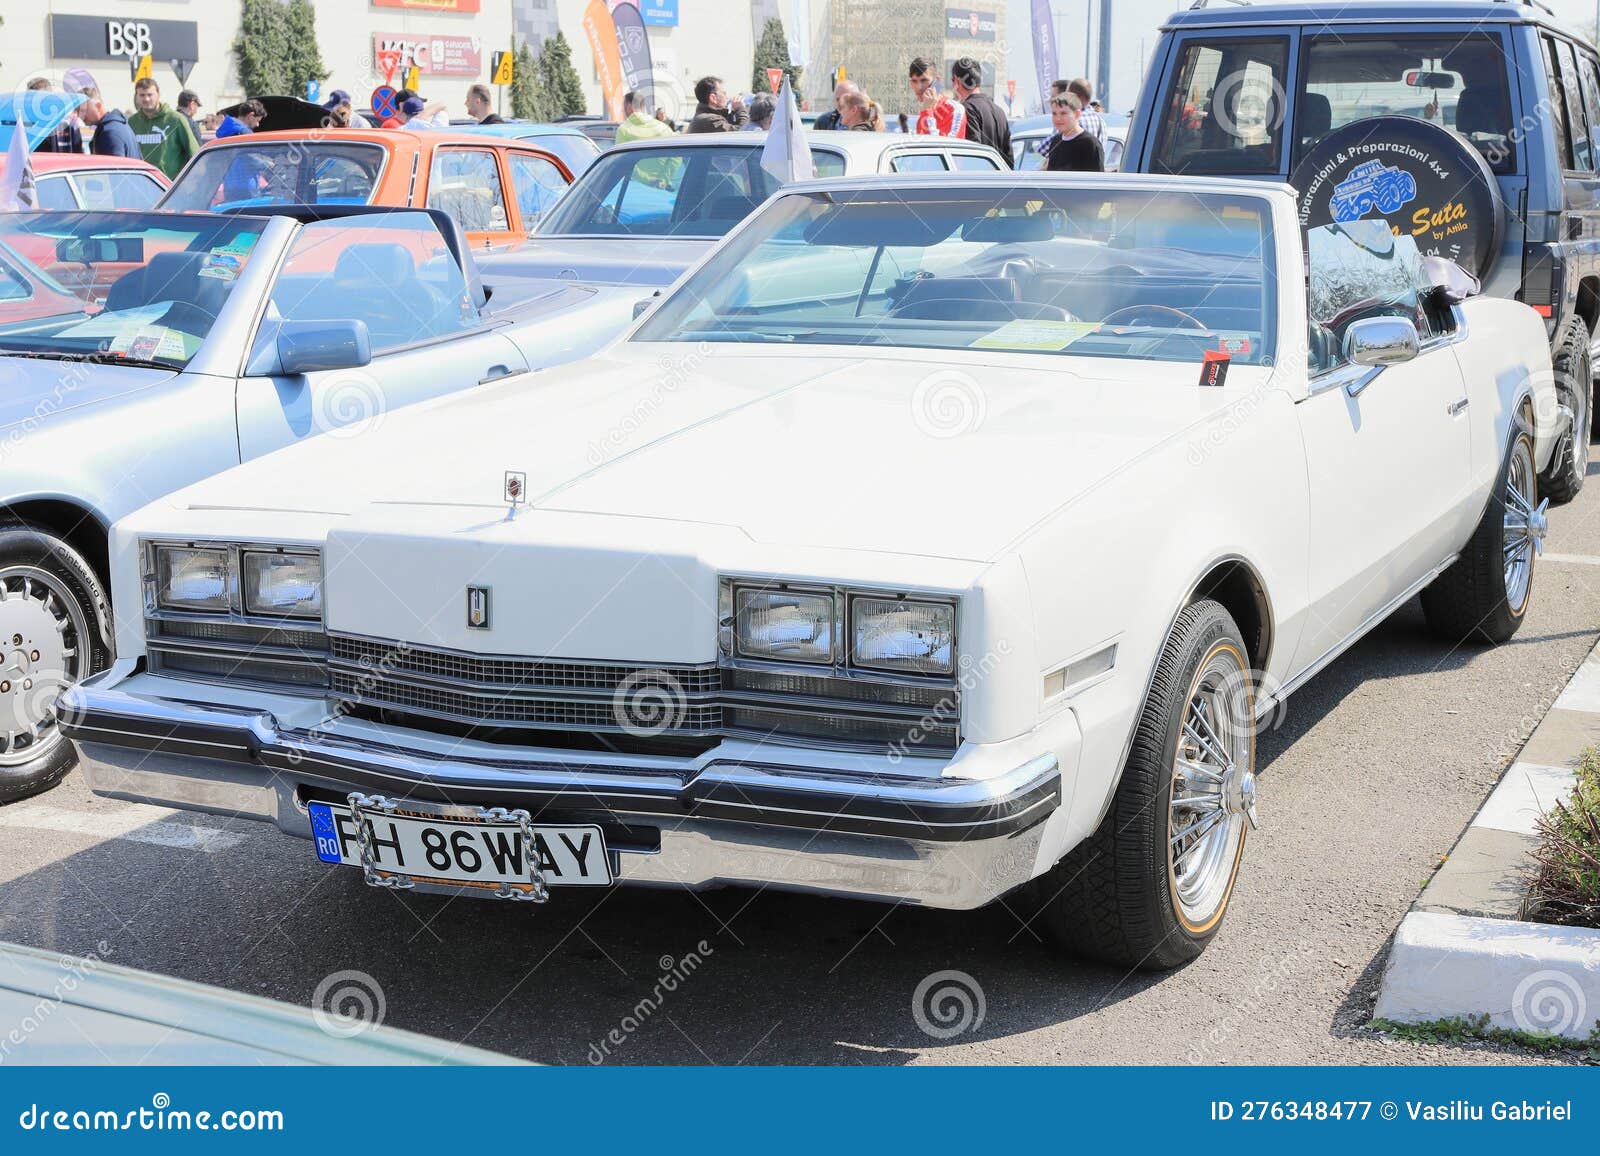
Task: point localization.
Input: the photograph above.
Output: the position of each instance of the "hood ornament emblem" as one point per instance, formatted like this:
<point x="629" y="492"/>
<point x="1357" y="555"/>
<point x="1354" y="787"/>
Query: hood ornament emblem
<point x="516" y="491"/>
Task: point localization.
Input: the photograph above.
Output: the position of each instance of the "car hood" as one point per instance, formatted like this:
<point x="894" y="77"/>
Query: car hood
<point x="653" y="261"/>
<point x="34" y="391"/>
<point x="882" y="452"/>
<point x="41" y="113"/>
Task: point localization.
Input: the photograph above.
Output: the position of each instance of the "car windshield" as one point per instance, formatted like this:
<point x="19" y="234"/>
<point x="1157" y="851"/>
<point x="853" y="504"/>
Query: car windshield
<point x="291" y="172"/>
<point x="1095" y="272"/>
<point x="680" y="191"/>
<point x="121" y="286"/>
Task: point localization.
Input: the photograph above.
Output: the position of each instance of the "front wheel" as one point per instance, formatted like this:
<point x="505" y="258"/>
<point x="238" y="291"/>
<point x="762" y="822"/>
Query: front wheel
<point x="51" y="608"/>
<point x="1485" y="593"/>
<point x="1150" y="887"/>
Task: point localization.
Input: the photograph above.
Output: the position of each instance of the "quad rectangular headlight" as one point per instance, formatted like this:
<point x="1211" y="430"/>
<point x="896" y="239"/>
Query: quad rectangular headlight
<point x="283" y="585"/>
<point x="902" y="635"/>
<point x="192" y="579"/>
<point x="783" y="625"/>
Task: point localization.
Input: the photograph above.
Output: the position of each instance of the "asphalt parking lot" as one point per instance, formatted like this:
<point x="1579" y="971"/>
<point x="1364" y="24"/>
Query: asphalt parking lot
<point x="1367" y="782"/>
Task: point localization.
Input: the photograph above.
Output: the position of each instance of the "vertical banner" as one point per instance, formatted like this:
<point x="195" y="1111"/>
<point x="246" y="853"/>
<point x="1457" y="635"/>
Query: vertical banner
<point x="1044" y="50"/>
<point x="602" y="33"/>
<point x="634" y="47"/>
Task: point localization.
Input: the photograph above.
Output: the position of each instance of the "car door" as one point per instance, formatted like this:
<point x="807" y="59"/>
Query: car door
<point x="467" y="184"/>
<point x="397" y="275"/>
<point x="1388" y="452"/>
<point x="537" y="183"/>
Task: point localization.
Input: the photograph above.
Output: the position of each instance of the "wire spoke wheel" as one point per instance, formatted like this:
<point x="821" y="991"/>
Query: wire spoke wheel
<point x="44" y="648"/>
<point x="1525" y="525"/>
<point x="1213" y="787"/>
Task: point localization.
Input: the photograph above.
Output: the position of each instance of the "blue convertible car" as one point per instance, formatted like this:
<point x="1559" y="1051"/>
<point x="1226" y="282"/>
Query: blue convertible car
<point x="143" y="351"/>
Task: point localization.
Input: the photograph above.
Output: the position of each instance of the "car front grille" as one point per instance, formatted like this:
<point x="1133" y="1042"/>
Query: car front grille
<point x="515" y="698"/>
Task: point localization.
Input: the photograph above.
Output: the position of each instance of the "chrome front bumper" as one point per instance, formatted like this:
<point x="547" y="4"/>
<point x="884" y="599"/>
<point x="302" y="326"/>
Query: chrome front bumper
<point x="940" y="842"/>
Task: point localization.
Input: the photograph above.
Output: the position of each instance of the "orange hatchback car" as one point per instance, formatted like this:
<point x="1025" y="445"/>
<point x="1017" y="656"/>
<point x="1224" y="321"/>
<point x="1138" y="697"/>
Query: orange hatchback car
<point x="496" y="189"/>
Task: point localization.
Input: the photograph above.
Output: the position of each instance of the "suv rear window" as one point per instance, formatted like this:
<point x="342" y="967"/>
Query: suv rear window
<point x="1458" y="81"/>
<point x="1224" y="110"/>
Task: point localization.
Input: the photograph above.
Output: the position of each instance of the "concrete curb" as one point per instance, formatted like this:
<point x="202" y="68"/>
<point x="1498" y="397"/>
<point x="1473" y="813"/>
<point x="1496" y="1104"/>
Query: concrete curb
<point x="1462" y="950"/>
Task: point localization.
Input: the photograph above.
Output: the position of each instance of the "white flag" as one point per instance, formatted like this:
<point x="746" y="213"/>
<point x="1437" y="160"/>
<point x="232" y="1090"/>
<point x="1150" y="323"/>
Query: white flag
<point x="787" y="155"/>
<point x="16" y="184"/>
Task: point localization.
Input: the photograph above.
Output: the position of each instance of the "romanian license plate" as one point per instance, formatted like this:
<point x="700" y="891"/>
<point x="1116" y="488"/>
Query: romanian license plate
<point x="410" y="843"/>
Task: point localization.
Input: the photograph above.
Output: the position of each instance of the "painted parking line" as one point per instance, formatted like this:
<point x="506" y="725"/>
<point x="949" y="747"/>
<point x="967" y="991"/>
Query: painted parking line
<point x="135" y="822"/>
<point x="1571" y="559"/>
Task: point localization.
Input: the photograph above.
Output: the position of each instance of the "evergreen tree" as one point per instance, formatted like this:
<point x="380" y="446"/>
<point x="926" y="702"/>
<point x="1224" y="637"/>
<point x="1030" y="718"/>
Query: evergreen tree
<point x="772" y="51"/>
<point x="527" y="97"/>
<point x="563" y="88"/>
<point x="304" y="63"/>
<point x="261" y="49"/>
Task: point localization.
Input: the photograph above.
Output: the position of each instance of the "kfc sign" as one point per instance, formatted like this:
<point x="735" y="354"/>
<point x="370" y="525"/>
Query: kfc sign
<point x="434" y="55"/>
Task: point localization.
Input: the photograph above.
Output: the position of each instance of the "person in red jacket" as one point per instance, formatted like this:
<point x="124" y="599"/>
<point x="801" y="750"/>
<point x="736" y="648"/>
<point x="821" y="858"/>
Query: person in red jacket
<point x="940" y="116"/>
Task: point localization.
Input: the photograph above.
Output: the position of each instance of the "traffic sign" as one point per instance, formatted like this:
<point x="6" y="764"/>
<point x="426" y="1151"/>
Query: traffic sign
<point x="388" y="60"/>
<point x="313" y="91"/>
<point x="142" y="67"/>
<point x="384" y="104"/>
<point x="1011" y="89"/>
<point x="504" y="67"/>
<point x="182" y="69"/>
<point x="775" y="78"/>
<point x="414" y="77"/>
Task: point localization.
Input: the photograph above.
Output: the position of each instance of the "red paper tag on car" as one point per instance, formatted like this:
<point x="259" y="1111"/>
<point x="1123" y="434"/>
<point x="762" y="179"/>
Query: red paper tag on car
<point x="1234" y="344"/>
<point x="1214" y="369"/>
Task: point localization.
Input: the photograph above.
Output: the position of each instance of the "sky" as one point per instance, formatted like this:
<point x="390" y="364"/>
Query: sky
<point x="1135" y="25"/>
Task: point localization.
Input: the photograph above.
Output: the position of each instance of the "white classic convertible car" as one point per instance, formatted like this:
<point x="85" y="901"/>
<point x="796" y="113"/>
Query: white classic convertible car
<point x="931" y="540"/>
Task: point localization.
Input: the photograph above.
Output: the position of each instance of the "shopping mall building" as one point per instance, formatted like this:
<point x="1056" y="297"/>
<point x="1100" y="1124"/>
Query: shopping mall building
<point x="452" y="42"/>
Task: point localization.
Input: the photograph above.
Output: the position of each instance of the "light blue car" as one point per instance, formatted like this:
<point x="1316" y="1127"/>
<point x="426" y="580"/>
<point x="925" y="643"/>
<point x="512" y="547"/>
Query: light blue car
<point x="574" y="148"/>
<point x="143" y="351"/>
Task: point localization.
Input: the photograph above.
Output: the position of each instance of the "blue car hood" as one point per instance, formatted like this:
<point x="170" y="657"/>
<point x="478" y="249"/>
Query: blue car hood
<point x="38" y="390"/>
<point x="41" y="113"/>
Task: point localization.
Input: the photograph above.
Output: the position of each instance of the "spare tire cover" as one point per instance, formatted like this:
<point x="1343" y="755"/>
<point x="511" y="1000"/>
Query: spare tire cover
<point x="1428" y="182"/>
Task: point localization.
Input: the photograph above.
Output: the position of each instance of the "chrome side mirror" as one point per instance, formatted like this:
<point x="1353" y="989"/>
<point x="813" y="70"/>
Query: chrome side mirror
<point x="1381" y="341"/>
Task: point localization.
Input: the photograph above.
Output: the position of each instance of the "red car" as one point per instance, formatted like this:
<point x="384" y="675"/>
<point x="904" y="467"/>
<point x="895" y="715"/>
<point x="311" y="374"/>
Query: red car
<point x="79" y="181"/>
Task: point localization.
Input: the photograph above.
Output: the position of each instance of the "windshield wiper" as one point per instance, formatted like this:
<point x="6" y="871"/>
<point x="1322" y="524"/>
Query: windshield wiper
<point x="95" y="357"/>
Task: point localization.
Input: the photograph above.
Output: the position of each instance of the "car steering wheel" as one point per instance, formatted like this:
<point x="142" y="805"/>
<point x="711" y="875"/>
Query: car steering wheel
<point x="1129" y="315"/>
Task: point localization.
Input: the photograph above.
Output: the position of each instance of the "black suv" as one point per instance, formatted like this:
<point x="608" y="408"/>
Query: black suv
<point x="1474" y="127"/>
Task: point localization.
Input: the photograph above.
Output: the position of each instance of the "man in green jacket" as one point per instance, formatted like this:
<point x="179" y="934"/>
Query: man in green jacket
<point x="637" y="123"/>
<point x="164" y="136"/>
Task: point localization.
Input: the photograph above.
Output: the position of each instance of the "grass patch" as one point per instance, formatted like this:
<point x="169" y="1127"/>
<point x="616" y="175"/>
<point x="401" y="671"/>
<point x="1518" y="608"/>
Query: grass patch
<point x="1477" y="1030"/>
<point x="1566" y="887"/>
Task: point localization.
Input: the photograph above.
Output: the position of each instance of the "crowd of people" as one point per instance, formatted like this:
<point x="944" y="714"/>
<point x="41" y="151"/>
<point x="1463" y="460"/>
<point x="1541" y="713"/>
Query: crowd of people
<point x="167" y="137"/>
